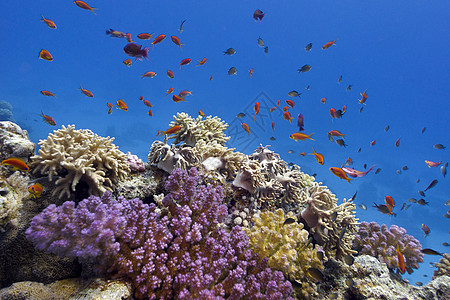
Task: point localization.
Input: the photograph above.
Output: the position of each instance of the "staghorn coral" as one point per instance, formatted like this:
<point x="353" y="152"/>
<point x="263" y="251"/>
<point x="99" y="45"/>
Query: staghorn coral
<point x="209" y="129"/>
<point x="184" y="254"/>
<point x="381" y="242"/>
<point x="285" y="246"/>
<point x="443" y="266"/>
<point x="332" y="226"/>
<point x="12" y="192"/>
<point x="80" y="156"/>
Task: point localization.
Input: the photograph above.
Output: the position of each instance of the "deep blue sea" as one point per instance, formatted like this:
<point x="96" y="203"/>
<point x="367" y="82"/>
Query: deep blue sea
<point x="396" y="50"/>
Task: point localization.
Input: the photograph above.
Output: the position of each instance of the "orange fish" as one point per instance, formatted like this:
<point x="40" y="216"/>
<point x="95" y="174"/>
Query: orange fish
<point x="185" y="61"/>
<point x="323" y="100"/>
<point x="171" y="130"/>
<point x="149" y="74"/>
<point x="128" y="36"/>
<point x="397" y="142"/>
<point x="122" y="105"/>
<point x="344" y="109"/>
<point x="201" y="113"/>
<point x="110" y="107"/>
<point x="401" y="260"/>
<point x="363" y="97"/>
<point x="273" y="125"/>
<point x="145" y="36"/>
<point x="273" y="108"/>
<point x="372" y="143"/>
<point x="141" y="98"/>
<point x="169" y="91"/>
<point x="177" y="98"/>
<point x="290" y="103"/>
<point x="86" y="92"/>
<point x="426" y="230"/>
<point x="36" y="190"/>
<point x="329" y="44"/>
<point x="246" y="128"/>
<point x="150" y="113"/>
<point x="176" y="41"/>
<point x="84" y="5"/>
<point x="184" y="93"/>
<point x="340" y="173"/>
<point x="300" y="136"/>
<point x="147" y="103"/>
<point x="44" y="54"/>
<point x="170" y="74"/>
<point x="49" y="23"/>
<point x="158" y="39"/>
<point x="335" y="133"/>
<point x="250" y="72"/>
<point x="319" y="157"/>
<point x="389" y="201"/>
<point x="332" y="113"/>
<point x="286" y="108"/>
<point x="432" y="164"/>
<point x="47" y="93"/>
<point x="278" y="102"/>
<point x="202" y="62"/>
<point x="303" y="154"/>
<point x="16" y="164"/>
<point x="256" y="109"/>
<point x="49" y="120"/>
<point x="210" y="77"/>
<point x="287" y="116"/>
<point x="127" y="62"/>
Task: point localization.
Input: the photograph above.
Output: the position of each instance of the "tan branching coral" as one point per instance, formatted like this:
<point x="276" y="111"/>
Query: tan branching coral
<point x="332" y="226"/>
<point x="279" y="237"/>
<point x="443" y="266"/>
<point x="80" y="156"/>
<point x="169" y="157"/>
<point x="12" y="191"/>
<point x="193" y="130"/>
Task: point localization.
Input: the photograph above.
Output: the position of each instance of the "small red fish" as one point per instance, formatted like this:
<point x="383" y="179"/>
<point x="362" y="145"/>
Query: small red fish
<point x="340" y="173"/>
<point x="258" y="14"/>
<point x="425" y="229"/>
<point x="389" y="201"/>
<point x="127" y="62"/>
<point x="87" y="93"/>
<point x="169" y="91"/>
<point x="36" y="190"/>
<point x="110" y="107"/>
<point x="245" y="127"/>
<point x="171" y="130"/>
<point x="210" y="77"/>
<point x="150" y="113"/>
<point x="158" y="39"/>
<point x="176" y="41"/>
<point x="397" y="143"/>
<point x="184" y="93"/>
<point x="432" y="164"/>
<point x="148" y="74"/>
<point x="145" y="36"/>
<point x="372" y="143"/>
<point x="329" y="44"/>
<point x="185" y="61"/>
<point x="363" y="97"/>
<point x="287" y="116"/>
<point x="201" y="113"/>
<point x="286" y="108"/>
<point x="290" y="103"/>
<point x="323" y="100"/>
<point x="303" y="154"/>
<point x="49" y="120"/>
<point x="122" y="105"/>
<point x="49" y="23"/>
<point x="147" y="103"/>
<point x="401" y="261"/>
<point x="250" y="72"/>
<point x="128" y="36"/>
<point x="202" y="62"/>
<point x="332" y="113"/>
<point x="273" y="108"/>
<point x="84" y="5"/>
<point x="273" y="125"/>
<point x="47" y="93"/>
<point x="170" y="74"/>
<point x="44" y="54"/>
<point x="300" y="136"/>
<point x="256" y="109"/>
<point x="335" y="133"/>
<point x="278" y="102"/>
<point x="177" y="98"/>
<point x="344" y="109"/>
<point x="16" y="164"/>
<point x="319" y="157"/>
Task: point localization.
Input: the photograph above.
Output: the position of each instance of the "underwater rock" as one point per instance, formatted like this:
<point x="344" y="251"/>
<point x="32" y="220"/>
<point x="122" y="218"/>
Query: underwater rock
<point x="14" y="142"/>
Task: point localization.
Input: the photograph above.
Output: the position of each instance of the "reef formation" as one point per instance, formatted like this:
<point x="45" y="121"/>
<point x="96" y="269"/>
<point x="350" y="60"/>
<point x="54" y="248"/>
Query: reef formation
<point x="199" y="220"/>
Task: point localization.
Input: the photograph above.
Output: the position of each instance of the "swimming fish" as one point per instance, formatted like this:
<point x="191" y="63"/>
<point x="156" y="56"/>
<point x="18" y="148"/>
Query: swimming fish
<point x="260" y="42"/>
<point x="36" y="190"/>
<point x="202" y="62"/>
<point x="378" y="171"/>
<point x="429" y="251"/>
<point x="425" y="230"/>
<point x="169" y="91"/>
<point x="364" y="97"/>
<point x="185" y="62"/>
<point x="115" y="33"/>
<point x="386" y="128"/>
<point x="401" y="260"/>
<point x="47" y="119"/>
<point x="48" y="93"/>
<point x="340" y="173"/>
<point x="287" y="116"/>
<point x="176" y="41"/>
<point x="362" y="206"/>
<point x="341" y="142"/>
<point x="300" y="136"/>
<point x="158" y="39"/>
<point x="110" y="107"/>
<point x="304" y="69"/>
<point x="294" y="94"/>
<point x="266" y="50"/>
<point x="240" y="115"/>
<point x="122" y="105"/>
<point x="308" y="47"/>
<point x="319" y="157"/>
<point x="229" y="51"/>
<point x="444" y="169"/>
<point x="84" y="5"/>
<point x="181" y="26"/>
<point x="323" y="100"/>
<point x="145" y="36"/>
<point x="272" y="138"/>
<point x="340" y="79"/>
<point x="290" y="103"/>
<point x="422" y="202"/>
<point x="432" y="164"/>
<point x="397" y="142"/>
<point x="315" y="274"/>
<point x="256" y="109"/>
<point x="16" y="164"/>
<point x="300" y="123"/>
<point x="169" y="74"/>
<point x="349" y="87"/>
<point x="335" y="133"/>
<point x="86" y="92"/>
<point x="332" y="113"/>
<point x="136" y="51"/>
<point x="329" y="44"/>
<point x="290" y="151"/>
<point x="177" y="99"/>
<point x="432" y="184"/>
<point x="44" y="54"/>
<point x="149" y="74"/>
<point x="423" y="129"/>
<point x="384" y="209"/>
<point x="348" y="162"/>
<point x="232" y="71"/>
<point x="258" y="14"/>
<point x="355" y="173"/>
<point x="127" y="62"/>
<point x="245" y="127"/>
<point x="171" y="130"/>
<point x="389" y="201"/>
<point x="49" y="22"/>
<point x="439" y="146"/>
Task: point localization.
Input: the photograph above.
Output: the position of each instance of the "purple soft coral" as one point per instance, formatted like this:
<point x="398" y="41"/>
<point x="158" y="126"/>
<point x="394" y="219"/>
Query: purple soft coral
<point x="182" y="255"/>
<point x="381" y="242"/>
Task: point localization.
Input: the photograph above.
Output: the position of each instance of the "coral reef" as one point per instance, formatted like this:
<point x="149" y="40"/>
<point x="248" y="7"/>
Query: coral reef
<point x="443" y="266"/>
<point x="135" y="163"/>
<point x="80" y="156"/>
<point x="381" y="242"/>
<point x="14" y="142"/>
<point x="182" y="253"/>
<point x="281" y="239"/>
<point x="12" y="192"/>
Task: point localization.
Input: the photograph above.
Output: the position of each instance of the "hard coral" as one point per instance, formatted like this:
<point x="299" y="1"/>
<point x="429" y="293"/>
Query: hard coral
<point x="12" y="192"/>
<point x="80" y="156"/>
<point x="443" y="266"/>
<point x="183" y="254"/>
<point x="381" y="242"/>
<point x="135" y="163"/>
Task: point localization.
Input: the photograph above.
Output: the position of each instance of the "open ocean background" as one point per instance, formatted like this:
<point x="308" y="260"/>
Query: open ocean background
<point x="397" y="50"/>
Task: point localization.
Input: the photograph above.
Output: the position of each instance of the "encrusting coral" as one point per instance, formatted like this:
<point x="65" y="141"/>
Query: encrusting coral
<point x="80" y="156"/>
<point x="381" y="242"/>
<point x="443" y="266"/>
<point x="13" y="190"/>
<point x="281" y="239"/>
<point x="181" y="253"/>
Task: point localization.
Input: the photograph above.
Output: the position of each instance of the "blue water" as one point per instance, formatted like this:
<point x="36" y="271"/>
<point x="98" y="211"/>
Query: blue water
<point x="397" y="50"/>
